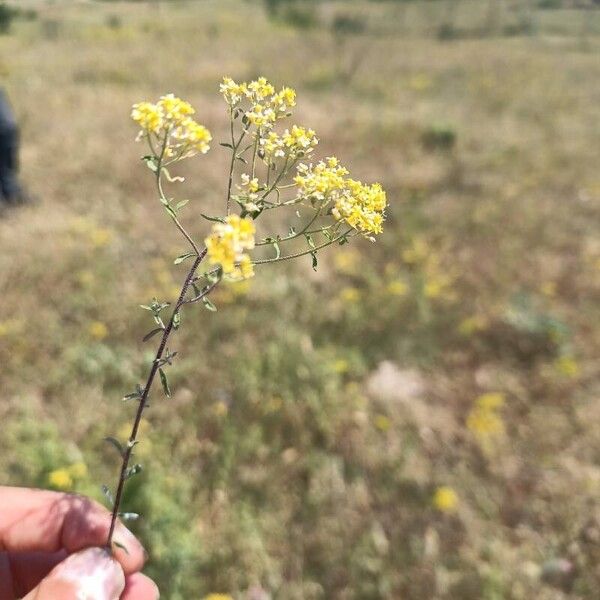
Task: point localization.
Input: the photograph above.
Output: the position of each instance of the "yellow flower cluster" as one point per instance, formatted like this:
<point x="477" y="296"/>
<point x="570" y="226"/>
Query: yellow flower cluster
<point x="322" y="181"/>
<point x="483" y="420"/>
<point x="226" y="245"/>
<point x="445" y="499"/>
<point x="170" y="119"/>
<point x="266" y="105"/>
<point x="295" y="143"/>
<point x="361" y="206"/>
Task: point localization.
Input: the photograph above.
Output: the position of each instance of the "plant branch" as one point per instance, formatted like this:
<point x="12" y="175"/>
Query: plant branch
<point x="144" y="397"/>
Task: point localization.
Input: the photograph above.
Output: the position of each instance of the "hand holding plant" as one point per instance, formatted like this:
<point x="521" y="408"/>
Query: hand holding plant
<point x="268" y="170"/>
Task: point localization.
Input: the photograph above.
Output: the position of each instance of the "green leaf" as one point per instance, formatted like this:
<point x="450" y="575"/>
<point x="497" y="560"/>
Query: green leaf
<point x="152" y="334"/>
<point x="226" y="145"/>
<point x="171" y="212"/>
<point x="121" y="546"/>
<point x="176" y="320"/>
<point x="182" y="203"/>
<point x="165" y="383"/>
<point x="277" y="249"/>
<point x="314" y="260"/>
<point x="133" y="470"/>
<point x="183" y="257"/>
<point x="108" y="495"/>
<point x="208" y="304"/>
<point x="150" y="162"/>
<point x="129" y="516"/>
<point x="116" y="444"/>
<point x="309" y="240"/>
<point x="214" y="219"/>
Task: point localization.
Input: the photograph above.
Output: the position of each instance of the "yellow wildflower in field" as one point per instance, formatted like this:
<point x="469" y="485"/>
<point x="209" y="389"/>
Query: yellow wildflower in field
<point x="471" y="325"/>
<point x="100" y="236"/>
<point x="445" y="499"/>
<point x="78" y="470"/>
<point x="218" y="597"/>
<point x="60" y="479"/>
<point x="567" y="366"/>
<point x="227" y="243"/>
<point x="382" y="422"/>
<point x="349" y="295"/>
<point x="98" y="330"/>
<point x="483" y="421"/>
<point x="397" y="287"/>
<point x="490" y="401"/>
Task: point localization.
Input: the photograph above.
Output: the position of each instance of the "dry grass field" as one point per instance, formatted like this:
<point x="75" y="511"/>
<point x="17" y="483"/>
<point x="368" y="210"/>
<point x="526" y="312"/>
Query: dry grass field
<point x="420" y="418"/>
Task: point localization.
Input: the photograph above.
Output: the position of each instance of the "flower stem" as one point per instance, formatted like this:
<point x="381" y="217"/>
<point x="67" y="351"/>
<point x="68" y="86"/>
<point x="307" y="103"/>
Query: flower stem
<point x="143" y="399"/>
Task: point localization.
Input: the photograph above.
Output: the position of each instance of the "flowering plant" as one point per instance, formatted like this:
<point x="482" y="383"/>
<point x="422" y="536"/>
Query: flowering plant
<point x="327" y="207"/>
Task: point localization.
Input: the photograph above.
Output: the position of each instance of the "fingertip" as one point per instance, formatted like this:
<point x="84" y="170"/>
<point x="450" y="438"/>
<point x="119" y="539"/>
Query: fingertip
<point x="140" y="587"/>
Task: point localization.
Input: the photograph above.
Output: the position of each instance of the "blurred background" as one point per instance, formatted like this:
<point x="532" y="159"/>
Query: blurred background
<point x="419" y="419"/>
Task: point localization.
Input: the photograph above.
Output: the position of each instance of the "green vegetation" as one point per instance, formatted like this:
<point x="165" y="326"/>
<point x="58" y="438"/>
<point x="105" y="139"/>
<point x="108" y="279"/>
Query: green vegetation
<point x="420" y="421"/>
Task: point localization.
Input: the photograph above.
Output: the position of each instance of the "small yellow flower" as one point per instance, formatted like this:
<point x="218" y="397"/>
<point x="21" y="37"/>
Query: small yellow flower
<point x="341" y="366"/>
<point x="98" y="330"/>
<point x="490" y="401"/>
<point x="397" y="288"/>
<point x="445" y="499"/>
<point x="60" y="479"/>
<point x="548" y="289"/>
<point x="220" y="408"/>
<point x="100" y="237"/>
<point x="78" y="470"/>
<point x="218" y="597"/>
<point x="567" y="366"/>
<point x="382" y="422"/>
<point x="349" y="295"/>
<point x="472" y="325"/>
<point x="346" y="262"/>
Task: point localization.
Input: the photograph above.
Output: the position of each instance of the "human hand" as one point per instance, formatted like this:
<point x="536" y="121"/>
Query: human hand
<point x="51" y="549"/>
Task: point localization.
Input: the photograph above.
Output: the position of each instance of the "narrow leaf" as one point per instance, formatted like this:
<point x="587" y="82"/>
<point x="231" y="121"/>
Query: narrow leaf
<point x="208" y="304"/>
<point x="183" y="257"/>
<point x="116" y="444"/>
<point x="129" y="516"/>
<point x="213" y="219"/>
<point x="182" y="203"/>
<point x="133" y="470"/>
<point x="108" y="495"/>
<point x="314" y="260"/>
<point x="152" y="334"/>
<point x="121" y="546"/>
<point x="165" y="383"/>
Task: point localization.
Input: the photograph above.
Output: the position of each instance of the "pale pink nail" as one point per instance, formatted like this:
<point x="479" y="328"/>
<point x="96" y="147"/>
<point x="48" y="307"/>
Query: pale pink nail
<point x="94" y="574"/>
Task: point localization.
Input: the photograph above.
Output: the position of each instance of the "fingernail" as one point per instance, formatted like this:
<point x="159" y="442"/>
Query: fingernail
<point x="94" y="573"/>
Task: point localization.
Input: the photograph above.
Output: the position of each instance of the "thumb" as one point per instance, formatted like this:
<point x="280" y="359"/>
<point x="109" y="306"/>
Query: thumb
<point x="91" y="574"/>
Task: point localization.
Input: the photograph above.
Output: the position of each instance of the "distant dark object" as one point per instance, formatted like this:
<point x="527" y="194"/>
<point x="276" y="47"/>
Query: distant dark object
<point x="11" y="191"/>
<point x="6" y="17"/>
<point x="348" y="25"/>
<point x="8" y="14"/>
<point x="439" y="136"/>
<point x="300" y="14"/>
